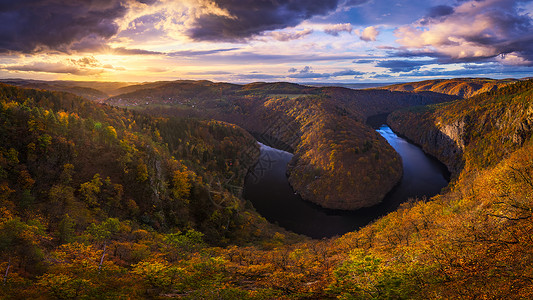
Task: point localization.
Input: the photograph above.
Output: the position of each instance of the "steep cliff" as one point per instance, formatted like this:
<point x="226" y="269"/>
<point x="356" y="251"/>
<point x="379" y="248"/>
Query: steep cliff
<point x="444" y="141"/>
<point x="473" y="133"/>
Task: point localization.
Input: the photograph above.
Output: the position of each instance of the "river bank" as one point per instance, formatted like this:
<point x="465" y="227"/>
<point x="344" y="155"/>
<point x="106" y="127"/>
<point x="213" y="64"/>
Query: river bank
<point x="267" y="187"/>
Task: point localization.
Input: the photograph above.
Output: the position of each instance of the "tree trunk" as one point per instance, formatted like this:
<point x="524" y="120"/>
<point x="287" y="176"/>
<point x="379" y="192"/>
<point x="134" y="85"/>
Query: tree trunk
<point x="102" y="258"/>
<point x="7" y="270"/>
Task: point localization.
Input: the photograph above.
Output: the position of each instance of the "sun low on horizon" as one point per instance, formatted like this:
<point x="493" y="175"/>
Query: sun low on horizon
<point x="337" y="41"/>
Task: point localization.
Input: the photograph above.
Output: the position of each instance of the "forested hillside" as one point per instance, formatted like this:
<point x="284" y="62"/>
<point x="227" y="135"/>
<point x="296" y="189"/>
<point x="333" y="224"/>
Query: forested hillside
<point x="75" y="175"/>
<point x="336" y="155"/>
<point x="92" y="90"/>
<point x="461" y="87"/>
<point x="65" y="206"/>
<point x="473" y="133"/>
<point x="95" y="206"/>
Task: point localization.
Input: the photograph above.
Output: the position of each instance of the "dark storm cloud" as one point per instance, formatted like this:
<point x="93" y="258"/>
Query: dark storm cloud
<point x="402" y="65"/>
<point x="437" y="12"/>
<point x="32" y="25"/>
<point x="440" y="11"/>
<point x="252" y="17"/>
<point x="474" y="31"/>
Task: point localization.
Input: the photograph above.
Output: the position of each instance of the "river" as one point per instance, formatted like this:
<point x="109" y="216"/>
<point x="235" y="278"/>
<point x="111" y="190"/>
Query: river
<point x="267" y="187"/>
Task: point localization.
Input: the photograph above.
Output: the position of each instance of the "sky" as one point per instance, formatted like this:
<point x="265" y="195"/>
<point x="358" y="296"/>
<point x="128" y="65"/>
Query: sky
<point x="337" y="41"/>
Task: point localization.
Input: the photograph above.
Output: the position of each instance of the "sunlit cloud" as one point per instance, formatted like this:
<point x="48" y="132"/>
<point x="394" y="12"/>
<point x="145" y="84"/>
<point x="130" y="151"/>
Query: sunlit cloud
<point x="53" y="67"/>
<point x="474" y="30"/>
<point x="240" y="41"/>
<point x="336" y="29"/>
<point x="369" y="34"/>
<point x="284" y="36"/>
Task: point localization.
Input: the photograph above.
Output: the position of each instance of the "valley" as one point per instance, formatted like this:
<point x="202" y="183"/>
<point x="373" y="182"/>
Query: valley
<point x="148" y="192"/>
<point x="324" y="127"/>
<point x="268" y="189"/>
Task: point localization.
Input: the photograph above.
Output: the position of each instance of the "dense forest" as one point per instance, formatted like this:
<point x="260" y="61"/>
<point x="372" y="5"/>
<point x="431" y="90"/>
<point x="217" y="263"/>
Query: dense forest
<point x="461" y="87"/>
<point x="336" y="155"/>
<point x="473" y="133"/>
<point x="102" y="202"/>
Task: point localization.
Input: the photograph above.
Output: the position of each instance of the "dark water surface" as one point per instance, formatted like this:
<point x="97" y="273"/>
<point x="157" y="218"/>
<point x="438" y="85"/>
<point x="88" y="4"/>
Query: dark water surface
<point x="267" y="187"/>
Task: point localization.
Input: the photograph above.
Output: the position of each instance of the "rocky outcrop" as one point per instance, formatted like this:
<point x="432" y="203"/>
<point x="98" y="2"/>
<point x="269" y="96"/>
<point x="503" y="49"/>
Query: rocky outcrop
<point x="474" y="133"/>
<point x="454" y="132"/>
<point x="446" y="142"/>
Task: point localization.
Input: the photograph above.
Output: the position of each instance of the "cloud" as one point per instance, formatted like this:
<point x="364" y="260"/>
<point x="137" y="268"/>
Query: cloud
<point x="306" y="69"/>
<point x="156" y="70"/>
<point x="482" y="70"/>
<point x="369" y="34"/>
<point x="474" y="30"/>
<point x="307" y="72"/>
<point x="336" y="29"/>
<point x="39" y="25"/>
<point x="83" y="66"/>
<point x="364" y="61"/>
<point x="256" y="76"/>
<point x="209" y="73"/>
<point x="284" y="36"/>
<point x="440" y="11"/>
<point x="350" y="3"/>
<point x="402" y="65"/>
<point x="238" y="20"/>
<point x="200" y="52"/>
<point x="381" y="76"/>
<point x="86" y="62"/>
<point x="127" y="51"/>
<point x="56" y="67"/>
<point x="346" y="72"/>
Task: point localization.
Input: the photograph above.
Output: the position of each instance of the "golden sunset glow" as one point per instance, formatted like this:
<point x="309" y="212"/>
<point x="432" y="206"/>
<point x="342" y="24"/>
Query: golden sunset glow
<point x="333" y="41"/>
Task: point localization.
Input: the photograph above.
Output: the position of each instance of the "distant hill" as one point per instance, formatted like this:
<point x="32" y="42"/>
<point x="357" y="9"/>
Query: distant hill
<point x="92" y="90"/>
<point x="461" y="87"/>
<point x="354" y="86"/>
